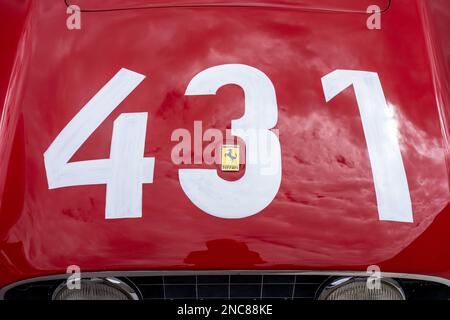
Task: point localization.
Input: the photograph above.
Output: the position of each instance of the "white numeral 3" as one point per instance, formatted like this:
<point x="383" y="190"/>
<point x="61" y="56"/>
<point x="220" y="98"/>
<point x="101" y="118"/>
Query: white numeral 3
<point x="259" y="186"/>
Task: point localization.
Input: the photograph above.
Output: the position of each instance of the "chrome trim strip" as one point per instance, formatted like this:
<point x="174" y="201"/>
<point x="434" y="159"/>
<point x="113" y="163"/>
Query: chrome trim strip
<point x="101" y="274"/>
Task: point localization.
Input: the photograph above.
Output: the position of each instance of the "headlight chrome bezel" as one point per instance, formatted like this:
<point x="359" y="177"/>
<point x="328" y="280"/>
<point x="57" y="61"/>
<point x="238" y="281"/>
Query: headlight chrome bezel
<point x="342" y="282"/>
<point x="112" y="282"/>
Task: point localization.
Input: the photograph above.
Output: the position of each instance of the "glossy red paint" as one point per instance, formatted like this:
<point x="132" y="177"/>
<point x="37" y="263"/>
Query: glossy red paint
<point x="324" y="216"/>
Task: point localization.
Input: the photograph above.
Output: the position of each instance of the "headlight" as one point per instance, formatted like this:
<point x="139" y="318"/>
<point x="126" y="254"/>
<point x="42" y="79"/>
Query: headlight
<point x="357" y="289"/>
<point x="96" y="289"/>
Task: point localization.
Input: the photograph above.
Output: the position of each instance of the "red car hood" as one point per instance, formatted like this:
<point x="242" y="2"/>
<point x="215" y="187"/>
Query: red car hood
<point x="324" y="215"/>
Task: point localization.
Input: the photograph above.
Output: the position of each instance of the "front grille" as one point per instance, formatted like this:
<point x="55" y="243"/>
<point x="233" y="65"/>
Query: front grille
<point x="229" y="286"/>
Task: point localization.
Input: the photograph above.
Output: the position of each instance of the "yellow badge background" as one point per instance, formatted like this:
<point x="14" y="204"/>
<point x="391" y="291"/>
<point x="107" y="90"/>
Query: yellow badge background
<point x="230" y="158"/>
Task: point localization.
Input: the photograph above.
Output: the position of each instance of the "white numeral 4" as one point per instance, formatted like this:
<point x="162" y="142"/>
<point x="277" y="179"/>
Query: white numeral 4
<point x="126" y="169"/>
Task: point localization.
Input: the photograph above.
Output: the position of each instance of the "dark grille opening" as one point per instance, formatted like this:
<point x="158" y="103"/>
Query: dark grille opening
<point x="229" y="287"/>
<point x="42" y="290"/>
<point x="424" y="290"/>
<point x="203" y="287"/>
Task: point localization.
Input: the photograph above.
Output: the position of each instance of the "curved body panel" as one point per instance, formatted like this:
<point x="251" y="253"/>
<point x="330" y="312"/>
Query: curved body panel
<point x="324" y="215"/>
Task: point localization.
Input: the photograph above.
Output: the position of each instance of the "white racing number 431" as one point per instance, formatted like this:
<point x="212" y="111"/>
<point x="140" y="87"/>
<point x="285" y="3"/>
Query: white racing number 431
<point x="127" y="168"/>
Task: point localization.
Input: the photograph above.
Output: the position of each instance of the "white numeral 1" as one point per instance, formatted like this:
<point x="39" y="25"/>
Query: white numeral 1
<point x="126" y="169"/>
<point x="391" y="185"/>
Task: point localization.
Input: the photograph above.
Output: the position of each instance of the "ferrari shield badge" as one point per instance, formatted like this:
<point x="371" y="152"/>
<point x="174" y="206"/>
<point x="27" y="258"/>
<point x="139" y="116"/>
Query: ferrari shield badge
<point x="230" y="158"/>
